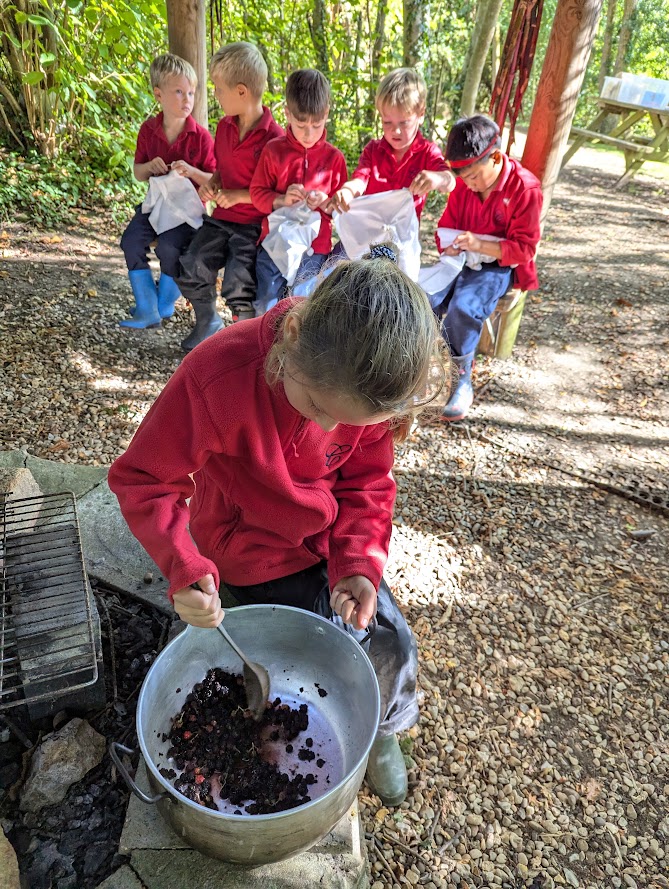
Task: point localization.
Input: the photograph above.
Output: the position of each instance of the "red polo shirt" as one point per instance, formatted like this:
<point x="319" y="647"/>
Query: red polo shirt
<point x="510" y="212"/>
<point x="193" y="145"/>
<point x="236" y="162"/>
<point x="286" y="162"/>
<point x="381" y="171"/>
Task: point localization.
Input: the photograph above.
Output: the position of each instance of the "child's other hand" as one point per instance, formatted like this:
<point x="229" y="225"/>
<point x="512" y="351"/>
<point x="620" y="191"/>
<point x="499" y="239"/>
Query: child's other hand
<point x="315" y="199"/>
<point x="354" y="598"/>
<point x="200" y="608"/>
<point x="182" y="168"/>
<point x="467" y="241"/>
<point x="226" y="197"/>
<point x="206" y="192"/>
<point x="157" y="167"/>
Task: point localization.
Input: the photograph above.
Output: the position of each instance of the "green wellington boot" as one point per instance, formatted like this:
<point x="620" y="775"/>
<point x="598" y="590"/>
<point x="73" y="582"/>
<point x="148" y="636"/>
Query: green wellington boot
<point x="386" y="770"/>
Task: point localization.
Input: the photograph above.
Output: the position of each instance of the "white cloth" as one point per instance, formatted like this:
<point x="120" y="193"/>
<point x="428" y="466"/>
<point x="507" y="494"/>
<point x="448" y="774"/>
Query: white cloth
<point x="171" y="201"/>
<point x="291" y="233"/>
<point x="376" y="218"/>
<point x="472" y="259"/>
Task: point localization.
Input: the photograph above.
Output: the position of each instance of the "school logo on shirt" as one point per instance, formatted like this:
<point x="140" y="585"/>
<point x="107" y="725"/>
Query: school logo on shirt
<point x="499" y="217"/>
<point x="334" y="454"/>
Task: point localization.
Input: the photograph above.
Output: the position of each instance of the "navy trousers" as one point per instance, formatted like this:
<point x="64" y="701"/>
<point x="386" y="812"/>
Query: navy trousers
<point x="138" y="237"/>
<point x="392" y="648"/>
<point x="215" y="245"/>
<point x="272" y="285"/>
<point x="467" y="302"/>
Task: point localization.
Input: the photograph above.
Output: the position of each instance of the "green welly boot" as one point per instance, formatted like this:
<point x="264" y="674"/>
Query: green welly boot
<point x="386" y="770"/>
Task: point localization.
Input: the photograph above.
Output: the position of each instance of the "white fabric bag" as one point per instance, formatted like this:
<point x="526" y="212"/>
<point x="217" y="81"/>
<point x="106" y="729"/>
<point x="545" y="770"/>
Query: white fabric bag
<point x="171" y="201"/>
<point x="436" y="278"/>
<point x="291" y="233"/>
<point x="373" y="219"/>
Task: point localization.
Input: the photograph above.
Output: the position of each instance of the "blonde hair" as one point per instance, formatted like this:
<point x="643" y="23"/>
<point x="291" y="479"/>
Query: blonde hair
<point x="169" y="65"/>
<point x="367" y="333"/>
<point x="402" y="88"/>
<point x="240" y="63"/>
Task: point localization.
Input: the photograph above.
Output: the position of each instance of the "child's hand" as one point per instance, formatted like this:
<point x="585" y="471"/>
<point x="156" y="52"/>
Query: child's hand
<point x="182" y="168"/>
<point x="200" y="608"/>
<point x="294" y="194"/>
<point x="341" y="200"/>
<point x="226" y="197"/>
<point x="206" y="192"/>
<point x="157" y="167"/>
<point x="354" y="598"/>
<point x="315" y="199"/>
<point x="466" y="241"/>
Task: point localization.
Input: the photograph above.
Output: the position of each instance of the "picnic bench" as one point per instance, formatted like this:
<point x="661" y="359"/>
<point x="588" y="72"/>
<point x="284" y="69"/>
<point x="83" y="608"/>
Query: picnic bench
<point x="637" y="148"/>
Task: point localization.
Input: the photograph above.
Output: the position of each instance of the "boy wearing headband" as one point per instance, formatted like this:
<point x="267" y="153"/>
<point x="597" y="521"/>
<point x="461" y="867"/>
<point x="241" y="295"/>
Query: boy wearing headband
<point x="494" y="195"/>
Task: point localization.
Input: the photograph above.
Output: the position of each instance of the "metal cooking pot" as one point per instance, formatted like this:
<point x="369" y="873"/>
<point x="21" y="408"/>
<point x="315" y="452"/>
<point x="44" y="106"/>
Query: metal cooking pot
<point x="306" y="655"/>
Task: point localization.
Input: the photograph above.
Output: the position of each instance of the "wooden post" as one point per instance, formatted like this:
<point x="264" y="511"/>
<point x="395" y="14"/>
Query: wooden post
<point x="187" y="38"/>
<point x="571" y="39"/>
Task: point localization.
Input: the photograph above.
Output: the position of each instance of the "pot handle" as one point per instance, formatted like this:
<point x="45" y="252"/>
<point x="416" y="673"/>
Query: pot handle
<point x="114" y="749"/>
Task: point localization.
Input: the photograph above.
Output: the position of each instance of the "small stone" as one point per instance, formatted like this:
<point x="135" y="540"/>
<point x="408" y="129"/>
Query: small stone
<point x="474" y="819"/>
<point x="148" y="577"/>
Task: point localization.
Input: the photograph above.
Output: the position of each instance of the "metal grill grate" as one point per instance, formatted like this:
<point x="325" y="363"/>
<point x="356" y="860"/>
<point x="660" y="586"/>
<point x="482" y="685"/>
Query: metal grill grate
<point x="47" y="646"/>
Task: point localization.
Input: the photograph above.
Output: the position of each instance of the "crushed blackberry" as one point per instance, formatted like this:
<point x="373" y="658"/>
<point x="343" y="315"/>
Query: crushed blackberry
<point x="215" y="740"/>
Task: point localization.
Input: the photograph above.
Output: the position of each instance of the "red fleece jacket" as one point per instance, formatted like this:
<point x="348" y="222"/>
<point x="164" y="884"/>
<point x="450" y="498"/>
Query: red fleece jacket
<point x="285" y="162"/>
<point x="511" y="212"/>
<point x="272" y="493"/>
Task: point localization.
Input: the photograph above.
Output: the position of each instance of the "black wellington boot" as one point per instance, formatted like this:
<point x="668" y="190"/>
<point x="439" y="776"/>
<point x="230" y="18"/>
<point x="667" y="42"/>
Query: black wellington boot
<point x="207" y="323"/>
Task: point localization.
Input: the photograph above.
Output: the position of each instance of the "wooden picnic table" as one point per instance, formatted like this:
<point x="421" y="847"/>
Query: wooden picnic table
<point x="637" y="148"/>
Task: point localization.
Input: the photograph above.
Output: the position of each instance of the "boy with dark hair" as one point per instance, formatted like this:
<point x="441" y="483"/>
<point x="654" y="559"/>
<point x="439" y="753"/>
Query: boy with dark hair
<point x="403" y="158"/>
<point x="171" y="140"/>
<point x="494" y="195"/>
<point x="300" y="166"/>
<point x="229" y="237"/>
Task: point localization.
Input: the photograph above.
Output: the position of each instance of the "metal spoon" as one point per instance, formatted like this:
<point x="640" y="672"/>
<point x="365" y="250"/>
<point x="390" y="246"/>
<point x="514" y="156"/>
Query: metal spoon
<point x="256" y="678"/>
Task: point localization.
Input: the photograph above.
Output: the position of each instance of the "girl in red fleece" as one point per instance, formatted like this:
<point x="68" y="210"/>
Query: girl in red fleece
<point x="280" y="430"/>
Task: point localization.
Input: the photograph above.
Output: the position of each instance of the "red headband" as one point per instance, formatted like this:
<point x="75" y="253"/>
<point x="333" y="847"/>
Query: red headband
<point x="467" y="162"/>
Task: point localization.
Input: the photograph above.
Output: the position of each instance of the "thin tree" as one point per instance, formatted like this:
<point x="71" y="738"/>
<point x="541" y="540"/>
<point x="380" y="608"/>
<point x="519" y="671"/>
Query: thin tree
<point x="487" y="13"/>
<point x="626" y="28"/>
<point x="414" y="33"/>
<point x="607" y="42"/>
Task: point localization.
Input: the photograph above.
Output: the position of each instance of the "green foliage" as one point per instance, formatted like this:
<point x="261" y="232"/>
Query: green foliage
<point x="35" y="190"/>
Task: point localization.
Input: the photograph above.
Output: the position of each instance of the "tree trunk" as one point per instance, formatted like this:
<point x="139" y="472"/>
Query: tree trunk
<point x="378" y="39"/>
<point x="607" y="44"/>
<point x="487" y="13"/>
<point x="413" y="34"/>
<point x="318" y="29"/>
<point x="186" y="35"/>
<point x="569" y="45"/>
<point x="626" y="28"/>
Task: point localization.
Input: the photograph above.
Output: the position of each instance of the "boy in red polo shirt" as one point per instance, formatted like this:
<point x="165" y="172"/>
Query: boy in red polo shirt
<point x="403" y="158"/>
<point x="229" y="237"/>
<point x="171" y="140"/>
<point x="494" y="195"/>
<point x="300" y="166"/>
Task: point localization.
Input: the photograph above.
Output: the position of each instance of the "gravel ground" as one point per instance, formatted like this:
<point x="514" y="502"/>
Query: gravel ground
<point x="539" y="602"/>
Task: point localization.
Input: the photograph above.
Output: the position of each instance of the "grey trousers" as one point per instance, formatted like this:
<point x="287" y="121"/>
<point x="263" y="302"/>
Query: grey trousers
<point x="392" y="647"/>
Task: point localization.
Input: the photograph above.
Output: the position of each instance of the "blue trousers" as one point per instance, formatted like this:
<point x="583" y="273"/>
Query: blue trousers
<point x="467" y="302"/>
<point x="272" y="286"/>
<point x="138" y="236"/>
<point x="392" y="649"/>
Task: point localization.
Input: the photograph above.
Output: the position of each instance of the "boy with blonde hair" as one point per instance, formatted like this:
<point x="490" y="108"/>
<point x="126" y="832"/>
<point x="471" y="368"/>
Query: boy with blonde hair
<point x="229" y="237"/>
<point x="171" y="140"/>
<point x="298" y="167"/>
<point x="403" y="157"/>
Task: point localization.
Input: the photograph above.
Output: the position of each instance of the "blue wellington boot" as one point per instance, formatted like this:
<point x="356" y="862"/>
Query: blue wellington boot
<point x="462" y="396"/>
<point x="146" y="298"/>
<point x="386" y="770"/>
<point x="168" y="294"/>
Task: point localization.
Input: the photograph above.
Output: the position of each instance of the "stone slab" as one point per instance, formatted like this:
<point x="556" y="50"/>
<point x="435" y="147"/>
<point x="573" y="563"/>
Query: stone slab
<point x="123" y="878"/>
<point x="112" y="554"/>
<point x="161" y="859"/>
<point x="53" y="477"/>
